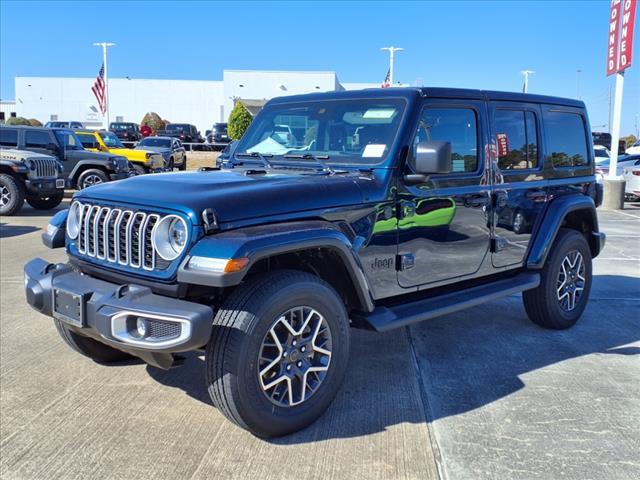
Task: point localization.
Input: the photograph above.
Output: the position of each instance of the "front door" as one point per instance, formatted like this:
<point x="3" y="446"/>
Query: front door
<point x="444" y="223"/>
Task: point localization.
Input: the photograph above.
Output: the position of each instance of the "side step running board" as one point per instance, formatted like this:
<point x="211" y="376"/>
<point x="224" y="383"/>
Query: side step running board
<point x="387" y="318"/>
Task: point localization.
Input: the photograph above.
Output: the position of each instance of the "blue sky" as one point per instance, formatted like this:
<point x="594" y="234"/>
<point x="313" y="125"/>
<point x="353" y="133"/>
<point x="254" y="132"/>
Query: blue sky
<point x="459" y="44"/>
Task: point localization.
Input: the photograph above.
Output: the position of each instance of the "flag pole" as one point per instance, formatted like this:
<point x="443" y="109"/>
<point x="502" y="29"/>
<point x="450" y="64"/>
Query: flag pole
<point x="104" y="46"/>
<point x="392" y="50"/>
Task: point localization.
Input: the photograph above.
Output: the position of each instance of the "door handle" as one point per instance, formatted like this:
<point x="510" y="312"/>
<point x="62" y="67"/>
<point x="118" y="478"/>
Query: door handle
<point x="476" y="200"/>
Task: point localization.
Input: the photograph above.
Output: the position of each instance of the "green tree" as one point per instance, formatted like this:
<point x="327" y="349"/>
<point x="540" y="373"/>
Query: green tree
<point x="35" y="122"/>
<point x="153" y="121"/>
<point x="17" y="121"/>
<point x="239" y="121"/>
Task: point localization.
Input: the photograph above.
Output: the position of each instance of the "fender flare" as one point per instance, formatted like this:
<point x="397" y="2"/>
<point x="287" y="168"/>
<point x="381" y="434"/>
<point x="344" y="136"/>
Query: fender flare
<point x="554" y="216"/>
<point x="257" y="243"/>
<point x="101" y="165"/>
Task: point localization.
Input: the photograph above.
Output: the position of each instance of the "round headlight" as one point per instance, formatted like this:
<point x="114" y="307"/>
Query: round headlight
<point x="169" y="237"/>
<point x="73" y="220"/>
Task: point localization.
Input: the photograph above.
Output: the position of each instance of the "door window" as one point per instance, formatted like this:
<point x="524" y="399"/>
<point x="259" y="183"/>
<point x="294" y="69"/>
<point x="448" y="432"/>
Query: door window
<point x="8" y="137"/>
<point x="459" y="126"/>
<point x="517" y="138"/>
<point x="37" y="139"/>
<point x="567" y="139"/>
<point x="88" y="141"/>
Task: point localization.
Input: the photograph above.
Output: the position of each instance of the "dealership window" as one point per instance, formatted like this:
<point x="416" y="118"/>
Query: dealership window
<point x="37" y="139"/>
<point x="8" y="137"/>
<point x="12" y="114"/>
<point x="567" y="139"/>
<point x="119" y="119"/>
<point x="1" y="116"/>
<point x="517" y="139"/>
<point x="457" y="126"/>
<point x="53" y="118"/>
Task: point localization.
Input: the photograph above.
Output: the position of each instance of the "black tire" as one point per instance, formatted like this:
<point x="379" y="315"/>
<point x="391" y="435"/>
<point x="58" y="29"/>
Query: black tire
<point x="90" y="177"/>
<point x="183" y="166"/>
<point x="46" y="203"/>
<point x="239" y="329"/>
<point x="96" y="351"/>
<point x="171" y="164"/>
<point x="139" y="169"/>
<point x="542" y="304"/>
<point x="11" y="195"/>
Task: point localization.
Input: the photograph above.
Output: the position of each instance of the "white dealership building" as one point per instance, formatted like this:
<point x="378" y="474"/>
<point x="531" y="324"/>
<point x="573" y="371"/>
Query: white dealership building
<point x="198" y="102"/>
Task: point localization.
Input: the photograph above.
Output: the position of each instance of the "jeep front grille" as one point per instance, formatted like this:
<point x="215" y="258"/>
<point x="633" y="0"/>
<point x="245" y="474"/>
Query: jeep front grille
<point x="119" y="236"/>
<point x="45" y="167"/>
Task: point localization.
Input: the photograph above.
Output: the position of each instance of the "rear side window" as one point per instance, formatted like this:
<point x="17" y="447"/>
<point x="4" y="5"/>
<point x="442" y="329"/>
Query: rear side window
<point x="517" y="138"/>
<point x="457" y="126"/>
<point x="568" y="143"/>
<point x="88" y="141"/>
<point x="8" y="137"/>
<point x="37" y="139"/>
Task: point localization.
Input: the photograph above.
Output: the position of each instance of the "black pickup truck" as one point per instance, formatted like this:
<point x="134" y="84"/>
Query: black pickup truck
<point x="185" y="132"/>
<point x="375" y="209"/>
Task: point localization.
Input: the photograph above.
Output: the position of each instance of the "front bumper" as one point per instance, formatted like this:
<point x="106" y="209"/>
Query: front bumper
<point x="45" y="185"/>
<point x="108" y="312"/>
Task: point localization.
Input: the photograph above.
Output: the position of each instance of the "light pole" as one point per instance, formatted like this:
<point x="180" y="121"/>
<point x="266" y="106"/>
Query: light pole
<point x="391" y="51"/>
<point x="104" y="46"/>
<point x="578" y="72"/>
<point x="526" y="73"/>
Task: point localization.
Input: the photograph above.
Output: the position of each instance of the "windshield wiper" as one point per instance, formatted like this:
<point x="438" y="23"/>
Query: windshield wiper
<point x="319" y="160"/>
<point x="262" y="157"/>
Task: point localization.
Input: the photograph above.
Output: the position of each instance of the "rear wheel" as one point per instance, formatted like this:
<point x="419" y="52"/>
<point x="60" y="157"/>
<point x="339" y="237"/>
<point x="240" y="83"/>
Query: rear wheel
<point x="91" y="177"/>
<point x="46" y="202"/>
<point x="89" y="347"/>
<point x="183" y="165"/>
<point x="565" y="283"/>
<point x="11" y="195"/>
<point x="278" y="352"/>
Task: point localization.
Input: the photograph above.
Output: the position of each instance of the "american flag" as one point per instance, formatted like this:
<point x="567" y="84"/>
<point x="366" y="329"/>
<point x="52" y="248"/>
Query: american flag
<point x="387" y="80"/>
<point x="98" y="90"/>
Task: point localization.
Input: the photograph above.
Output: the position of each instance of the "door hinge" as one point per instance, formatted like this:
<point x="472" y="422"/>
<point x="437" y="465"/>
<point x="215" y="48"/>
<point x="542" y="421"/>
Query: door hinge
<point x="405" y="261"/>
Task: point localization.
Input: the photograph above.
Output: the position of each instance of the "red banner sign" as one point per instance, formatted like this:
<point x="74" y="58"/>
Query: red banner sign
<point x="627" y="21"/>
<point x="612" y="46"/>
<point x="503" y="144"/>
<point x="620" y="42"/>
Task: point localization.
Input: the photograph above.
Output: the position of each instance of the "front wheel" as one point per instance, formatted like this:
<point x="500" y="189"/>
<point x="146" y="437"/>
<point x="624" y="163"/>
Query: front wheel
<point x="91" y="177"/>
<point x="565" y="283"/>
<point x="278" y="352"/>
<point x="11" y="195"/>
<point x="46" y="202"/>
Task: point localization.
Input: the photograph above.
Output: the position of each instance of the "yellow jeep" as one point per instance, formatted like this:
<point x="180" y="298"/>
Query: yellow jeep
<point x="143" y="161"/>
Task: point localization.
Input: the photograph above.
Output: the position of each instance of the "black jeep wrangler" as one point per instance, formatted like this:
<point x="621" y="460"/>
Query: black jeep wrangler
<point x="370" y="209"/>
<point x="30" y="176"/>
<point x="81" y="168"/>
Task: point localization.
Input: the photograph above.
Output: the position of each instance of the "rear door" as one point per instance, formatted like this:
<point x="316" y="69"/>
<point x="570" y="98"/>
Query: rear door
<point x="520" y="191"/>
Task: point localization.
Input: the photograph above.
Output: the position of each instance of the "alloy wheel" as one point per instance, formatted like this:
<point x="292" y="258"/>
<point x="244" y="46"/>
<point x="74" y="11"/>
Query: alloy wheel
<point x="91" y="180"/>
<point x="571" y="280"/>
<point x="5" y="196"/>
<point x="295" y="356"/>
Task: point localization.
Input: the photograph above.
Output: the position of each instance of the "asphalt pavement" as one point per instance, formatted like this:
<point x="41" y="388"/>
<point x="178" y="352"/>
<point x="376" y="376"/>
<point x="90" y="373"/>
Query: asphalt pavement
<point x="479" y="394"/>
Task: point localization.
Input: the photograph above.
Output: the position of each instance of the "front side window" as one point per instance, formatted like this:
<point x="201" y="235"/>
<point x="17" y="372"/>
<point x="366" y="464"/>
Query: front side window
<point x="68" y="140"/>
<point x="458" y="126"/>
<point x="110" y="140"/>
<point x="8" y="137"/>
<point x="37" y="139"/>
<point x="517" y="139"/>
<point x="340" y="131"/>
<point x="88" y="141"/>
<point x="567" y="139"/>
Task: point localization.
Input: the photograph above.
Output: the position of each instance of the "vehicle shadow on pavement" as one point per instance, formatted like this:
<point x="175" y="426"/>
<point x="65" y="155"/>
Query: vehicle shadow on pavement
<point x="8" y="231"/>
<point x="462" y="362"/>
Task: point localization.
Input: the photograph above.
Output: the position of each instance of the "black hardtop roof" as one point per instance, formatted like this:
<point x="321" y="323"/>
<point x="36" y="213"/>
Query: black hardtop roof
<point x="432" y="92"/>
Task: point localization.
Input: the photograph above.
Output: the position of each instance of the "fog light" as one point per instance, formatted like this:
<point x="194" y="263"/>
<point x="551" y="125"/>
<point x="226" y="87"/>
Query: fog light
<point x="141" y="327"/>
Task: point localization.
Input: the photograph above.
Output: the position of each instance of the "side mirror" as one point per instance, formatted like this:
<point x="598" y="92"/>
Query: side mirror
<point x="431" y="157"/>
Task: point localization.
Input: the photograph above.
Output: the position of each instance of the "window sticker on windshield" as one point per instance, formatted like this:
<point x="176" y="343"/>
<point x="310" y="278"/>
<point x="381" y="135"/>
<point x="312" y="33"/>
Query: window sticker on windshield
<point x="374" y="150"/>
<point x="379" y="113"/>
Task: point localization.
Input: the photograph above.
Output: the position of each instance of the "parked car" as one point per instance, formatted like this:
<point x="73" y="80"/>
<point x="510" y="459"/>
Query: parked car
<point x="266" y="264"/>
<point x="601" y="153"/>
<point x="217" y="136"/>
<point x="171" y="149"/>
<point x="634" y="149"/>
<point x="185" y="132"/>
<point x="71" y="125"/>
<point x="632" y="182"/>
<point x="142" y="161"/>
<point x="31" y="176"/>
<point x="126" y="131"/>
<point x="623" y="161"/>
<point x="80" y="168"/>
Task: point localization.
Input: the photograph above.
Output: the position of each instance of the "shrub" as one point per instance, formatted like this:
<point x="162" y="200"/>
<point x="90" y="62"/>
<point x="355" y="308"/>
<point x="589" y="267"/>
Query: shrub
<point x="17" y="121"/>
<point x="34" y="122"/>
<point x="153" y="121"/>
<point x="239" y="121"/>
<point x="629" y="140"/>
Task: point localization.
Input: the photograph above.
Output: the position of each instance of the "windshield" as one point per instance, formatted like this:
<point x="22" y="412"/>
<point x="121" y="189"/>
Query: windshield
<point x="68" y="140"/>
<point x="57" y="124"/>
<point x="155" y="142"/>
<point x="110" y="140"/>
<point x="346" y="131"/>
<point x="176" y="127"/>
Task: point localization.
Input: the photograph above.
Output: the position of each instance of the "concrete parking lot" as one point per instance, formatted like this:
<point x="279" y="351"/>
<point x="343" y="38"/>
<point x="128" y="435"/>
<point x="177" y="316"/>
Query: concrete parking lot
<point x="479" y="394"/>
